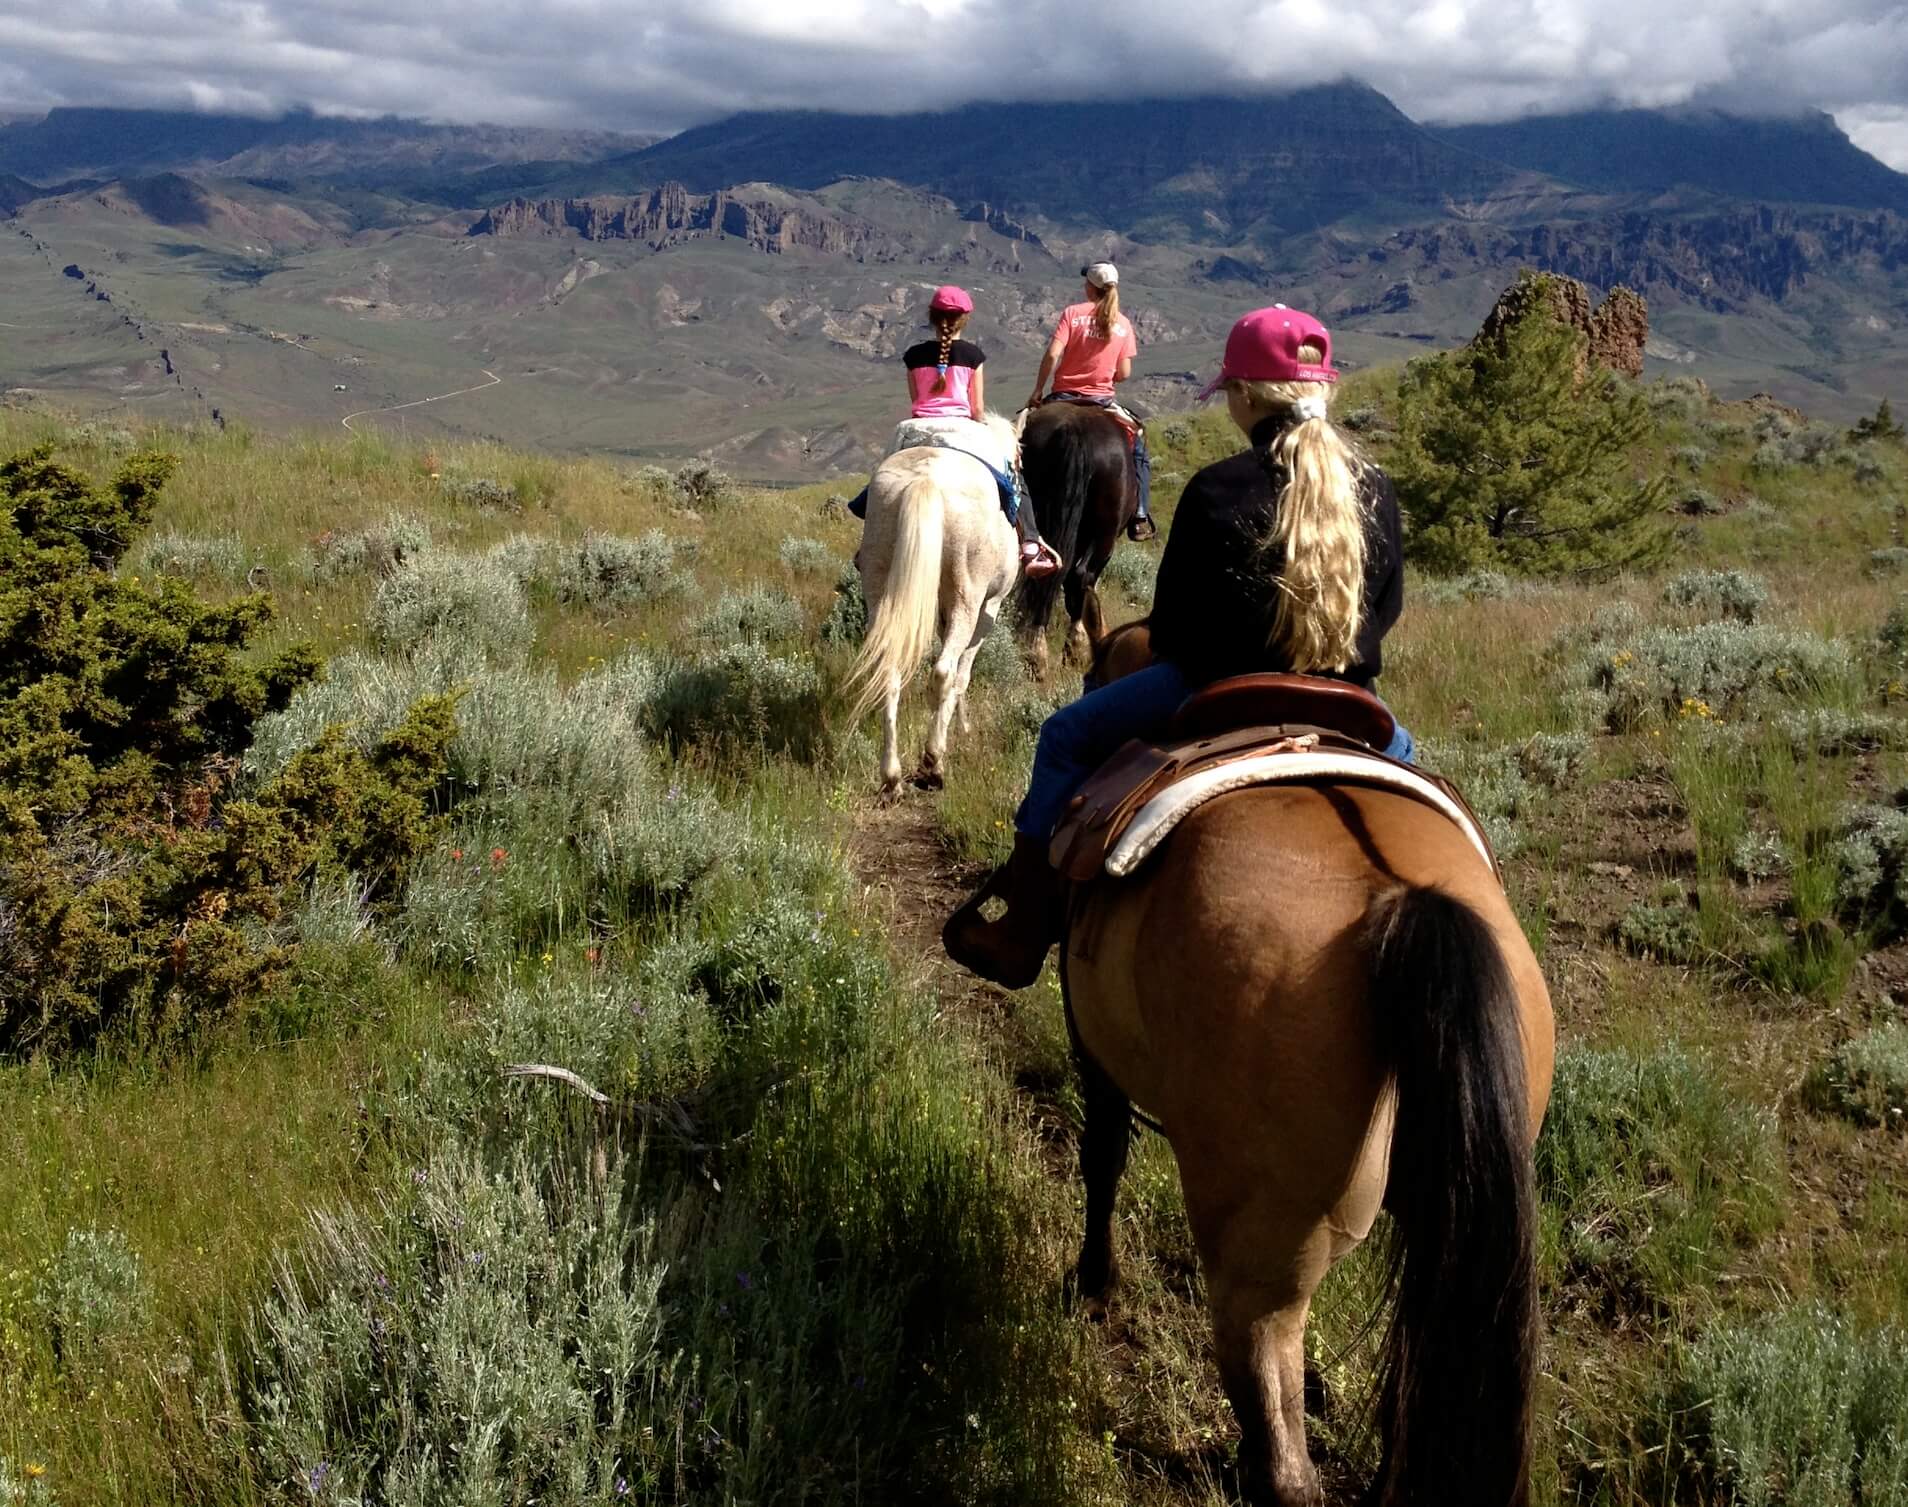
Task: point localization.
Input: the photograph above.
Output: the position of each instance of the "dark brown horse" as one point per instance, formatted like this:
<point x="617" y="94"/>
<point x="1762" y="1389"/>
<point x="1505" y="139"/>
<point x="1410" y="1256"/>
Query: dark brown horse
<point x="1325" y="998"/>
<point x="1078" y="466"/>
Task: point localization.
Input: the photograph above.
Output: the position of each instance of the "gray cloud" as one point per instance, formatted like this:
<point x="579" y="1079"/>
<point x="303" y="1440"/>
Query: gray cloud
<point x="662" y="64"/>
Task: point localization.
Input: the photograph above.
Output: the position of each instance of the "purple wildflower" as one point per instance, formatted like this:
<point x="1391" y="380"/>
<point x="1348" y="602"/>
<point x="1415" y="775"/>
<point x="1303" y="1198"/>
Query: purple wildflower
<point x="316" y="1477"/>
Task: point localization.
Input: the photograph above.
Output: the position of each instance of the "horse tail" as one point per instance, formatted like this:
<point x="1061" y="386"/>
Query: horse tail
<point x="1454" y="1400"/>
<point x="901" y="625"/>
<point x="1060" y="474"/>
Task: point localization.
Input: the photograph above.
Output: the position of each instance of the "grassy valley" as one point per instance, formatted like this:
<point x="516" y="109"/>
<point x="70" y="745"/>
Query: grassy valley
<point x="299" y="272"/>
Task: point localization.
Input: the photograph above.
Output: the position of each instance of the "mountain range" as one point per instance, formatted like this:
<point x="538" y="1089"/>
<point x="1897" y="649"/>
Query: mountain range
<point x="741" y="287"/>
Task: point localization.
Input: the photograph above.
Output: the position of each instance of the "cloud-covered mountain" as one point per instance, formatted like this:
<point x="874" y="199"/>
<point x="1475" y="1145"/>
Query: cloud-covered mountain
<point x="82" y="143"/>
<point x="1790" y="159"/>
<point x="1214" y="168"/>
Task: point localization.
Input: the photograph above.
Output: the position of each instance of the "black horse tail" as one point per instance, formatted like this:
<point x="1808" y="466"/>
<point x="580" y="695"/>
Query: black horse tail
<point x="1059" y="473"/>
<point x="1454" y="1399"/>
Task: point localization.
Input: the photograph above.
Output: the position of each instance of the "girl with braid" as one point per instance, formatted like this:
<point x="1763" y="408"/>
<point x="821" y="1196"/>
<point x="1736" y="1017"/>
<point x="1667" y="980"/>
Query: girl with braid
<point x="947" y="394"/>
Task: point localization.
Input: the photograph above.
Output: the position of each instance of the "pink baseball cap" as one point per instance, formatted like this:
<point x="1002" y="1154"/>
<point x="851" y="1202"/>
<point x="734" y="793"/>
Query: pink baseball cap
<point x="1264" y="347"/>
<point x="951" y="300"/>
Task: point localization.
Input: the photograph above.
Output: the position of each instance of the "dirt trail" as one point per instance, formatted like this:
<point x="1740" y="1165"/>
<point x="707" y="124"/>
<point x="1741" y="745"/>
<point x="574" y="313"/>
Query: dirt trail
<point x="494" y="381"/>
<point x="909" y="876"/>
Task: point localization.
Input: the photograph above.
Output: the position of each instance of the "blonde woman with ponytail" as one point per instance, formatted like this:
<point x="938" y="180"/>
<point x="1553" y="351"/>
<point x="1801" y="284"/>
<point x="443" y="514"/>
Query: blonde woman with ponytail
<point x="1286" y="557"/>
<point x="1092" y="349"/>
<point x="947" y="398"/>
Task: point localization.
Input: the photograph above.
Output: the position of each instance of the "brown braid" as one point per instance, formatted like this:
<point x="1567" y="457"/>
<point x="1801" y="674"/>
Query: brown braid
<point x="948" y="326"/>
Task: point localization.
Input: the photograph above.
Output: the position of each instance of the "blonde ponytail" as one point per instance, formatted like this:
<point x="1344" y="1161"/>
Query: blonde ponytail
<point x="1318" y="537"/>
<point x="1106" y="311"/>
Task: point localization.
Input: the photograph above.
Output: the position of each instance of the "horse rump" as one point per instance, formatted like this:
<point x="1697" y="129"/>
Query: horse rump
<point x="1063" y="450"/>
<point x="1454" y="1396"/>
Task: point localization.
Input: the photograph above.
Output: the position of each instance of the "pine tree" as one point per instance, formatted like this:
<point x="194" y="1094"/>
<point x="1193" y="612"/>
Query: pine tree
<point x="1880" y="426"/>
<point x="1515" y="455"/>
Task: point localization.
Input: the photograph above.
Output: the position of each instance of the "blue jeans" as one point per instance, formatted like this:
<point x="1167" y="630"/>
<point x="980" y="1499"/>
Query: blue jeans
<point x="1142" y="462"/>
<point x="1081" y="736"/>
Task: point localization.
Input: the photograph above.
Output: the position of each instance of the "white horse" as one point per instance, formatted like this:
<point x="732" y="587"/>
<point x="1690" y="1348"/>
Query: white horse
<point x="937" y="557"/>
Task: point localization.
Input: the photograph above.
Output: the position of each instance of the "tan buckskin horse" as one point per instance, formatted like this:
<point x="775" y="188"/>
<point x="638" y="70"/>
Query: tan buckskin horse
<point x="1323" y="995"/>
<point x="937" y="557"/>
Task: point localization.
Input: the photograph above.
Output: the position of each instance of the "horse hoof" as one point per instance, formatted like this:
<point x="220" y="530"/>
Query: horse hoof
<point x="1096" y="1305"/>
<point x="889" y="793"/>
<point x="928" y="779"/>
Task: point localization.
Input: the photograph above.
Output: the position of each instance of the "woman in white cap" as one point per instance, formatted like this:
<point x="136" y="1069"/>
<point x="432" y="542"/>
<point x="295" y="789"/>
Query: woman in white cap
<point x="1288" y="556"/>
<point x="1093" y="348"/>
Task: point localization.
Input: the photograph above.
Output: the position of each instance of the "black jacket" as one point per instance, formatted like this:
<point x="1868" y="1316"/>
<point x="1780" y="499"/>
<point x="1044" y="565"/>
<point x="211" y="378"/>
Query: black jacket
<point x="1215" y="597"/>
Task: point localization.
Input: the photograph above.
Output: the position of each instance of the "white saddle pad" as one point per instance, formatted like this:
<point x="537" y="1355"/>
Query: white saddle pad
<point x="1157" y="818"/>
<point x="956" y="434"/>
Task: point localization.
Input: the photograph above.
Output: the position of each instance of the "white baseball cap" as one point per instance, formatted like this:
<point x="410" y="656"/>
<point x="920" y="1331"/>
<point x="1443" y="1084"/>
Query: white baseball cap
<point x="1101" y="274"/>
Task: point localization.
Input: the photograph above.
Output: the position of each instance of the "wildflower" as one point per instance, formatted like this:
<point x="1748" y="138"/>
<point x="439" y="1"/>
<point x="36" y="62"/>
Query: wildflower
<point x="546" y="959"/>
<point x="316" y="1477"/>
<point x="622" y="1487"/>
<point x="674" y="792"/>
<point x="34" y="1470"/>
<point x="457" y="855"/>
<point x="593" y="955"/>
<point x="497" y="857"/>
<point x="742" y="1281"/>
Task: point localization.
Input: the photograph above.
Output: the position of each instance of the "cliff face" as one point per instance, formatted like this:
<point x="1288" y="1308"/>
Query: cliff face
<point x="1721" y="260"/>
<point x="671" y="214"/>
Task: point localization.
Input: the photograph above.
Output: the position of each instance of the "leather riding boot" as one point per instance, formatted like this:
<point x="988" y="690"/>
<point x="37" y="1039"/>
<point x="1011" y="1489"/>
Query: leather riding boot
<point x="1012" y="950"/>
<point x="1141" y="529"/>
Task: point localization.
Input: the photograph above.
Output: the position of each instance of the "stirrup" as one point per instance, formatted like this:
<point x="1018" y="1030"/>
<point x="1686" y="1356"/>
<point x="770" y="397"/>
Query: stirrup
<point x="1043" y="562"/>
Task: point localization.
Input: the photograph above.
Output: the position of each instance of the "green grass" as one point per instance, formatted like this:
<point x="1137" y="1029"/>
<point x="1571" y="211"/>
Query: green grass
<point x="673" y="918"/>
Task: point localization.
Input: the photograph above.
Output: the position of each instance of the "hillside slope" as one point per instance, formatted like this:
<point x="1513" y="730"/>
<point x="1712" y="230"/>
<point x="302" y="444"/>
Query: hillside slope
<point x="75" y="143"/>
<point x="1800" y="159"/>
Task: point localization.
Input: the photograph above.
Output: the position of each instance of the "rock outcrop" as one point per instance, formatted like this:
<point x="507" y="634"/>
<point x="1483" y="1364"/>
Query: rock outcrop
<point x="671" y="214"/>
<point x="1614" y="332"/>
<point x="999" y="221"/>
<point x="1719" y="261"/>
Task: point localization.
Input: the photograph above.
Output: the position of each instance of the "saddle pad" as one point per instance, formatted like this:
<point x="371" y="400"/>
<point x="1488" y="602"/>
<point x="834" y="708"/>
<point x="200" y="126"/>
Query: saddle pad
<point x="1154" y="822"/>
<point x="964" y="435"/>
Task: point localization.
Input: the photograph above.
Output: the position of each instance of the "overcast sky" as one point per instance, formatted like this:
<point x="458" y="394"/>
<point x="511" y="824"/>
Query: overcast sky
<point x="655" y="65"/>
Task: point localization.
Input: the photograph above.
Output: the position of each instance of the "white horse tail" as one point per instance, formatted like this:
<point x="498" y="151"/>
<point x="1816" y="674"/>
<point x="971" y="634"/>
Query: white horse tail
<point x="901" y="625"/>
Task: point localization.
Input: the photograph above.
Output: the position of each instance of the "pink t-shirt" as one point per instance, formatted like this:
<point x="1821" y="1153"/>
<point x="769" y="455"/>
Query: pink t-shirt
<point x="1088" y="362"/>
<point x="955" y="401"/>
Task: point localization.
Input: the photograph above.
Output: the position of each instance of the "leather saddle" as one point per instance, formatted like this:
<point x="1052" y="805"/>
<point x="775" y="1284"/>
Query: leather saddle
<point x="1285" y="701"/>
<point x="1230" y="720"/>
